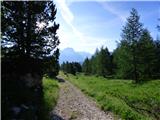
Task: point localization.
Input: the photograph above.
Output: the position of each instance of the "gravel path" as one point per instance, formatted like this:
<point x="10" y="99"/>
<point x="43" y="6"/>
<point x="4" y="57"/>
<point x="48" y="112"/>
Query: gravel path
<point x="74" y="105"/>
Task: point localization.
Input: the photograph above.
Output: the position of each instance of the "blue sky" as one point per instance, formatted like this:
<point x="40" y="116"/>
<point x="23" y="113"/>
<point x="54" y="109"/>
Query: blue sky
<point x="89" y="24"/>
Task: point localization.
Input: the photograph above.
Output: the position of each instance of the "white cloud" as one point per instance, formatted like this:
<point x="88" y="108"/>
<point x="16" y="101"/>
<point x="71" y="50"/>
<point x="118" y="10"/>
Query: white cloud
<point x="65" y="11"/>
<point x="121" y="15"/>
<point x="65" y="37"/>
<point x="75" y="38"/>
<point x="89" y="44"/>
<point x="95" y="42"/>
<point x="67" y="15"/>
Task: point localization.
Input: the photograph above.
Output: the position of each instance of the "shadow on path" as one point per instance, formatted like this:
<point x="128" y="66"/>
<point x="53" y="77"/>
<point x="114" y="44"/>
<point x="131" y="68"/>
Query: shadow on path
<point x="60" y="79"/>
<point x="56" y="117"/>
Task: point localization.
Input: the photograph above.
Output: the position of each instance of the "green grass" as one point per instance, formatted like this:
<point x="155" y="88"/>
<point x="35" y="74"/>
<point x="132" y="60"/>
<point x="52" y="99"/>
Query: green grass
<point x="122" y="97"/>
<point x="50" y="95"/>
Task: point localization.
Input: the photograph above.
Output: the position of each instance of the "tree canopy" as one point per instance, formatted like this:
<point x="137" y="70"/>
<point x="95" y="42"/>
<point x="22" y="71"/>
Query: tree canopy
<point x="29" y="31"/>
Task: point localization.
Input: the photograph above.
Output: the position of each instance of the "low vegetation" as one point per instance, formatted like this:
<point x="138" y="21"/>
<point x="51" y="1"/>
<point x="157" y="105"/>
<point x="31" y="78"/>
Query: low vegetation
<point x="50" y="90"/>
<point x="130" y="101"/>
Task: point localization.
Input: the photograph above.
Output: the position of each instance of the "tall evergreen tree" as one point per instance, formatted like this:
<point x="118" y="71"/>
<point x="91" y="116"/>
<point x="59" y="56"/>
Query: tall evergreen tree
<point x="99" y="64"/>
<point x="104" y="62"/>
<point x="77" y="66"/>
<point x="86" y="67"/>
<point x="157" y="65"/>
<point x="147" y="56"/>
<point x="29" y="49"/>
<point x="122" y="60"/>
<point x="131" y="34"/>
<point x="157" y="52"/>
<point x="94" y="62"/>
<point x="72" y="67"/>
<point x="62" y="67"/>
<point x="27" y="33"/>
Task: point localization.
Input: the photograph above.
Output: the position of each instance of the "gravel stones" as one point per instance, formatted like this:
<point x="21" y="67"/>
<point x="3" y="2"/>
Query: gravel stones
<point x="74" y="105"/>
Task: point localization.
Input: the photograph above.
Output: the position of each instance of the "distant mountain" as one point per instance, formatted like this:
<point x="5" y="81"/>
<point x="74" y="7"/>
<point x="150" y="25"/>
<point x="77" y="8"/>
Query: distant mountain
<point x="68" y="54"/>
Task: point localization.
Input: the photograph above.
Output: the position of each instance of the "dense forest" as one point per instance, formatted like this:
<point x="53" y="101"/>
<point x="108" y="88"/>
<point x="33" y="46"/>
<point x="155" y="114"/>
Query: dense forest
<point x="136" y="57"/>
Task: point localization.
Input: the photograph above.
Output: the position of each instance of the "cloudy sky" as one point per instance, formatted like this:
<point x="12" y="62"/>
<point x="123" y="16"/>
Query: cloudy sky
<point x="89" y="24"/>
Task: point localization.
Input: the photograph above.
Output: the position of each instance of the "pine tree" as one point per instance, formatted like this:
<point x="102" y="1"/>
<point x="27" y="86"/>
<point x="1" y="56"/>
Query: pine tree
<point x="157" y="52"/>
<point x="28" y="33"/>
<point x="122" y="60"/>
<point x="71" y="68"/>
<point x="86" y="67"/>
<point x="99" y="64"/>
<point x="29" y="49"/>
<point x="104" y="62"/>
<point x="131" y="34"/>
<point x="94" y="62"/>
<point x="157" y="65"/>
<point x="147" y="56"/>
<point x="77" y="66"/>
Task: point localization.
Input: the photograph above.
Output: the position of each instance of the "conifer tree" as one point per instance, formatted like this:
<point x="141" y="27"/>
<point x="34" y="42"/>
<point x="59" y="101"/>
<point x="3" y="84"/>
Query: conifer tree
<point x="131" y="35"/>
<point x="104" y="62"/>
<point x="147" y="56"/>
<point x="29" y="33"/>
<point x="86" y="67"/>
<point x="29" y="49"/>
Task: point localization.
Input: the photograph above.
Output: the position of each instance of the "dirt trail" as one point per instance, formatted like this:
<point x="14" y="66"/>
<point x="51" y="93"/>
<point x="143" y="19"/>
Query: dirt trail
<point x="74" y="105"/>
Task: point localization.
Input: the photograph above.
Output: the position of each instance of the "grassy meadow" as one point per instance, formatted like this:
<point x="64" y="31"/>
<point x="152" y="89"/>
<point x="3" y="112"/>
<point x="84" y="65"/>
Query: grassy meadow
<point x="122" y="97"/>
<point x="50" y="90"/>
